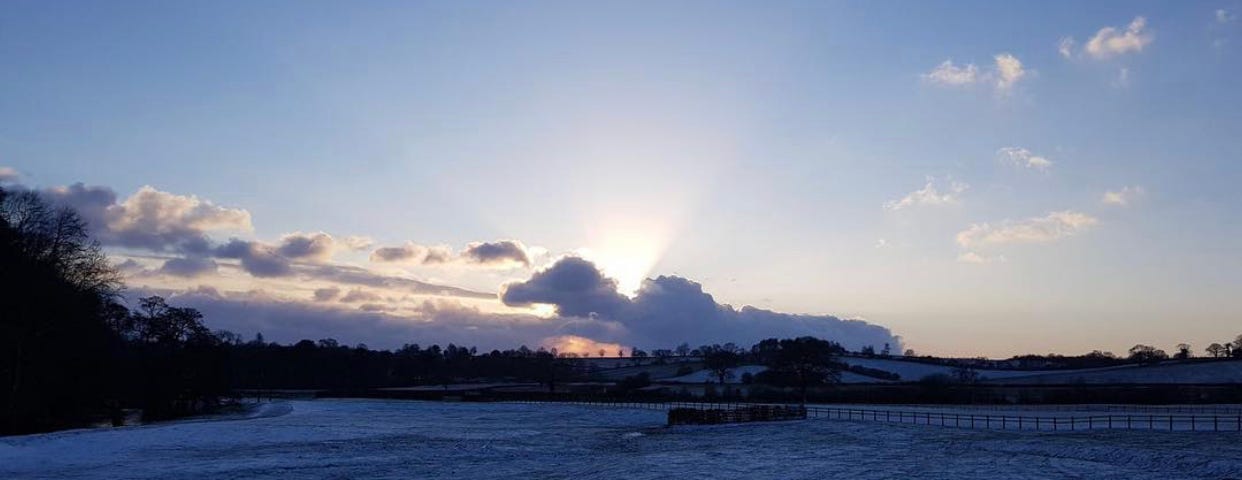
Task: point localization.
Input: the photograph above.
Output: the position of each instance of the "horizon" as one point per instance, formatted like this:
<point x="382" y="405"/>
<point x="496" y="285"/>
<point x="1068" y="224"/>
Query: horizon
<point x="988" y="180"/>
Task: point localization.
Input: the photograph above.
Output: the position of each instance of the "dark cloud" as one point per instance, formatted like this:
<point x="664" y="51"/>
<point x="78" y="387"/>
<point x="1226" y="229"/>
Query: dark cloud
<point x="326" y="294"/>
<point x="574" y="286"/>
<point x="315" y="247"/>
<point x="375" y="307"/>
<point x="404" y="253"/>
<point x="412" y="253"/>
<point x="189" y="267"/>
<point x="669" y="310"/>
<point x="256" y="258"/>
<point x="500" y="252"/>
<point x="284" y="321"/>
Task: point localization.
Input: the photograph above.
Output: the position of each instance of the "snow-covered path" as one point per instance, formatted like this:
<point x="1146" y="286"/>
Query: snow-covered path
<point x="397" y="439"/>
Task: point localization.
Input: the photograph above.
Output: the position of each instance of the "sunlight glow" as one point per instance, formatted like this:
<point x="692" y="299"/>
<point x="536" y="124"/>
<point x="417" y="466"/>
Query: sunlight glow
<point x="627" y="249"/>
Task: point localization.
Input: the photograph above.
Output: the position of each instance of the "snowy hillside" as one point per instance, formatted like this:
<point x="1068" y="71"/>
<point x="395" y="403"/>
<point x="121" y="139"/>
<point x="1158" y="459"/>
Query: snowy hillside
<point x="431" y="440"/>
<point x="1229" y="371"/>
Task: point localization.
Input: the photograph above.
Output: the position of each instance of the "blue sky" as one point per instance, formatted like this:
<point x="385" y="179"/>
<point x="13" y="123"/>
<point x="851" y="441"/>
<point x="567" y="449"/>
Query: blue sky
<point x="762" y="150"/>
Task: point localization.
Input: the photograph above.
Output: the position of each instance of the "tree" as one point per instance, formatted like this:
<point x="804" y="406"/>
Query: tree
<point x="683" y="349"/>
<point x="909" y="352"/>
<point x="1183" y="351"/>
<point x="57" y="309"/>
<point x="721" y="360"/>
<point x="157" y="322"/>
<point x="802" y="362"/>
<point x="1147" y="354"/>
<point x="1215" y="350"/>
<point x="601" y="353"/>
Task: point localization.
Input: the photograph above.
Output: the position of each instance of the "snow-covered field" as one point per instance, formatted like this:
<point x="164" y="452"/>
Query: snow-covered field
<point x="427" y="440"/>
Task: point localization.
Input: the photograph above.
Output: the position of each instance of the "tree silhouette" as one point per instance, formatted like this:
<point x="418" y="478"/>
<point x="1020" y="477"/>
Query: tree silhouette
<point x="721" y="360"/>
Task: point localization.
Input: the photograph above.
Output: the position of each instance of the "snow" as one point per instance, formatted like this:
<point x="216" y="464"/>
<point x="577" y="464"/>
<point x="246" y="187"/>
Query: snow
<point x="914" y="371"/>
<point x="430" y="440"/>
<point x="704" y="376"/>
<point x="1229" y="371"/>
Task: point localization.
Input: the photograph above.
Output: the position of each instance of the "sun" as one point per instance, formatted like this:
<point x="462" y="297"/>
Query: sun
<point x="627" y="250"/>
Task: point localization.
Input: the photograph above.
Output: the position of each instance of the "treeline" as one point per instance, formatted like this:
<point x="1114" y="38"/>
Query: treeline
<point x="71" y="352"/>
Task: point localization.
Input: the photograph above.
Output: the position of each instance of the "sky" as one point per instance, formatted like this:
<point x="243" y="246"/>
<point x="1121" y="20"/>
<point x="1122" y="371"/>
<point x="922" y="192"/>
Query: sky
<point x="957" y="178"/>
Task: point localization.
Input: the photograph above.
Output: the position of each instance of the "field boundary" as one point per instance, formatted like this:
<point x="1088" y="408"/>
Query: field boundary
<point x="1172" y="422"/>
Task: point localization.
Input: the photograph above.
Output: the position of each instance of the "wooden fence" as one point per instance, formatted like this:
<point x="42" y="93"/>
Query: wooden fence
<point x="1197" y="422"/>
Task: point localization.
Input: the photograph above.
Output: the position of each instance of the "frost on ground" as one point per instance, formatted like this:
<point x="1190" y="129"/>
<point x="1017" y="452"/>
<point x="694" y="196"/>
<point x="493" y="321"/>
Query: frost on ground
<point x="396" y="439"/>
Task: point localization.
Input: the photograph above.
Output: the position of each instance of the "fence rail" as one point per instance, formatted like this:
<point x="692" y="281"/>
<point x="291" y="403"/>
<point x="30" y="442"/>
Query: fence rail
<point x="1160" y="422"/>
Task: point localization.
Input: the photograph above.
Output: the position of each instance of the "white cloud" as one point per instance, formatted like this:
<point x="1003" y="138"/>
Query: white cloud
<point x="1023" y="158"/>
<point x="1048" y="228"/>
<point x="357" y="242"/>
<point x="1109" y="41"/>
<point x="1004" y="74"/>
<point x="881" y="243"/>
<point x="1124" y="197"/>
<point x="1066" y="47"/>
<point x="1224" y="16"/>
<point x="1009" y="71"/>
<point x="949" y="74"/>
<point x="975" y="258"/>
<point x="929" y="195"/>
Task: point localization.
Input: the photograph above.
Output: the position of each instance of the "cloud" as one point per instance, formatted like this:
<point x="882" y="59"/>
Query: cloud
<point x="1005" y="73"/>
<point x="412" y="253"/>
<point x="9" y="174"/>
<point x="1123" y="197"/>
<point x="351" y="275"/>
<point x="929" y="195"/>
<point x="1224" y="16"/>
<point x="315" y="247"/>
<point x="1110" y="41"/>
<point x="326" y="294"/>
<point x="440" y="322"/>
<point x="1008" y="72"/>
<point x="189" y="267"/>
<point x="952" y="75"/>
<point x="573" y="284"/>
<point x="1023" y="158"/>
<point x="257" y="259"/>
<point x="1066" y="47"/>
<point x="1048" y="228"/>
<point x="669" y="310"/>
<point x="496" y="253"/>
<point x="359" y="295"/>
<point x="357" y="242"/>
<point x="150" y="219"/>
